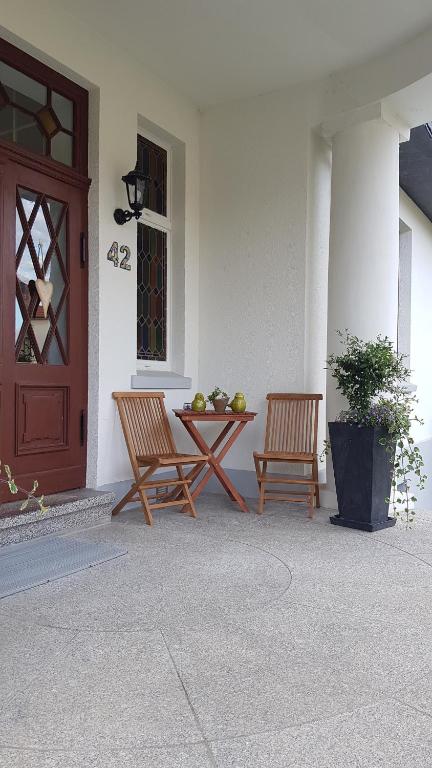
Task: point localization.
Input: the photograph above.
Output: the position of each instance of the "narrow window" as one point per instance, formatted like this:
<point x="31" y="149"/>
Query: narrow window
<point x="153" y="244"/>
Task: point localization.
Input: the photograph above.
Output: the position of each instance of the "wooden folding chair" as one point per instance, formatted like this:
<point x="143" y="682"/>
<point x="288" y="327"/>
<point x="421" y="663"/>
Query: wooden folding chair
<point x="151" y="446"/>
<point x="291" y="437"/>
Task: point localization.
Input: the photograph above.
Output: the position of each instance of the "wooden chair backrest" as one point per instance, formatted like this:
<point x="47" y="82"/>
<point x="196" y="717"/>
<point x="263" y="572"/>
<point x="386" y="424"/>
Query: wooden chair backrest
<point x="145" y="423"/>
<point x="292" y="423"/>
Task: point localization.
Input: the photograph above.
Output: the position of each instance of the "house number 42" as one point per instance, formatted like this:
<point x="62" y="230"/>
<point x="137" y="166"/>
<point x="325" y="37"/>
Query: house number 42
<point x="113" y="255"/>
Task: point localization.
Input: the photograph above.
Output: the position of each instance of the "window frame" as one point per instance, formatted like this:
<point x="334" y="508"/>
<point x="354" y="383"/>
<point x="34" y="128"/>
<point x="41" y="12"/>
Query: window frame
<point x="163" y="224"/>
<point x="35" y="69"/>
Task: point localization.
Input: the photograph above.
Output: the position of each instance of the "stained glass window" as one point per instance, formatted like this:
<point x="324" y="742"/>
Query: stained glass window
<point x="35" y="116"/>
<point x="151" y="293"/>
<point x="152" y="160"/>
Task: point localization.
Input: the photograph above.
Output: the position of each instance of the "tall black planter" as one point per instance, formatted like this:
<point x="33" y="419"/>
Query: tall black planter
<point x="362" y="470"/>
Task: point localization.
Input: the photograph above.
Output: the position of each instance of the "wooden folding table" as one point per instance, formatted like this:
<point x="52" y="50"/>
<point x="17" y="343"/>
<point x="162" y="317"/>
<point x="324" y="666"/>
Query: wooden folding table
<point x="234" y="423"/>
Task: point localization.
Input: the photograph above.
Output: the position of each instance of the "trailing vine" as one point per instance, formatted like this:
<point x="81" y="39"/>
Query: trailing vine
<point x="373" y="378"/>
<point x="15" y="489"/>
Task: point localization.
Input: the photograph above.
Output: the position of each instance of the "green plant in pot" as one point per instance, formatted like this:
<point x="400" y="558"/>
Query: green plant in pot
<point x="375" y="461"/>
<point x="219" y="399"/>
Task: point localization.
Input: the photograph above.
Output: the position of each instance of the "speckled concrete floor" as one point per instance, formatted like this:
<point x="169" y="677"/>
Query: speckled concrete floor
<point x="230" y="640"/>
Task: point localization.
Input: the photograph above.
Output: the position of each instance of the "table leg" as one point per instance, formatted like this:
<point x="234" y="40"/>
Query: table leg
<point x="203" y="447"/>
<point x="215" y="461"/>
<point x="198" y="469"/>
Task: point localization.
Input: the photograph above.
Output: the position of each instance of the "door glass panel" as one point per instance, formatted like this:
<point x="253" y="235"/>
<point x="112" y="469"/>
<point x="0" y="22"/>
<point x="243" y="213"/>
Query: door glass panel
<point x="22" y="129"/>
<point x="56" y="278"/>
<point x="55" y="210"/>
<point x="41" y="255"/>
<point x="62" y="148"/>
<point x="19" y="232"/>
<point x="22" y="90"/>
<point x="18" y="319"/>
<point x="40" y="327"/>
<point x="63" y="109"/>
<point x="61" y="243"/>
<point x="41" y="238"/>
<point x="27" y="353"/>
<point x="62" y="325"/>
<point x="54" y="355"/>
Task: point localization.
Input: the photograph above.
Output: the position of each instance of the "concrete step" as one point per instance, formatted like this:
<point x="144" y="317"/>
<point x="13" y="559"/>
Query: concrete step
<point x="72" y="509"/>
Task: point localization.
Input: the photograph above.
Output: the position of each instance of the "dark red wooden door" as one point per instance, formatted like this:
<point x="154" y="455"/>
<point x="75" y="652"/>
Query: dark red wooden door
<point x="43" y="360"/>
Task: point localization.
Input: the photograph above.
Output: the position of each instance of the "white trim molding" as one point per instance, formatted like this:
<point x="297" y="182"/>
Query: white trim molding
<point x="377" y="111"/>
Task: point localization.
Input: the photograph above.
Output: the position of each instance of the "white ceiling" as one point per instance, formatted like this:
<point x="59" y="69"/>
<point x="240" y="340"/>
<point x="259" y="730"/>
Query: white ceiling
<point x="218" y="50"/>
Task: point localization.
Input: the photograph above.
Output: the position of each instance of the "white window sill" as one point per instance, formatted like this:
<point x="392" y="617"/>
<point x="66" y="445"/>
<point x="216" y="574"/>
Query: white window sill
<point x="160" y="380"/>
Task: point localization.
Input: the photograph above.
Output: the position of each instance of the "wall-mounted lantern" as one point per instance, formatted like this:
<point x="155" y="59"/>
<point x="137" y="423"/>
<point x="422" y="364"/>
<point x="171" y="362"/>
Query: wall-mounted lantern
<point x="136" y="182"/>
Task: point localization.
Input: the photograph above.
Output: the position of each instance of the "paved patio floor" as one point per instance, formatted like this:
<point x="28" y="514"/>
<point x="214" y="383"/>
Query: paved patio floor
<point x="230" y="640"/>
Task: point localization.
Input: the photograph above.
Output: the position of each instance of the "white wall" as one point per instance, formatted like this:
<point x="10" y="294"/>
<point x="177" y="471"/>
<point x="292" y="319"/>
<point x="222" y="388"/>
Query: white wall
<point x="254" y="186"/>
<point x="421" y="324"/>
<point x="120" y="94"/>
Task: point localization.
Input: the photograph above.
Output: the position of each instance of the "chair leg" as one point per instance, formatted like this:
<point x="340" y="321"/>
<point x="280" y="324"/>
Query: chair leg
<point x="261" y="485"/>
<point x="146" y="507"/>
<point x="119" y="506"/>
<point x="261" y="500"/>
<point x="311" y="499"/>
<point x="133" y="490"/>
<point x="187" y="493"/>
<point x="315" y="477"/>
<point x="143" y="495"/>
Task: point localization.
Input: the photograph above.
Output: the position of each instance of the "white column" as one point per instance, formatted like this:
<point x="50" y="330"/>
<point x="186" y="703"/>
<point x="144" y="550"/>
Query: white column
<point x="364" y="233"/>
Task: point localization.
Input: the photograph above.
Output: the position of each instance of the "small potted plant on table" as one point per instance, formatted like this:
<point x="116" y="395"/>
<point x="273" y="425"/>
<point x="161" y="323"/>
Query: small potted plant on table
<point x="373" y="452"/>
<point x="219" y="400"/>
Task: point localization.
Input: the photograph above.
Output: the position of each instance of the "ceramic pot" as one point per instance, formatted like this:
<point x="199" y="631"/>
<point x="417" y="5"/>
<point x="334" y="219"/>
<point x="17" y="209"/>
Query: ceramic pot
<point x="238" y="403"/>
<point x="220" y="404"/>
<point x="199" y="403"/>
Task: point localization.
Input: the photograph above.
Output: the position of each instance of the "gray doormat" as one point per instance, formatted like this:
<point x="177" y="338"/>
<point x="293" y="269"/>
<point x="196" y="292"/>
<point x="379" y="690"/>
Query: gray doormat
<point x="36" y="562"/>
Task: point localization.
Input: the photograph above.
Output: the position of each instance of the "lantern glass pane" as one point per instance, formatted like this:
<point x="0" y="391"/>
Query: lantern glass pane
<point x="140" y="188"/>
<point x="131" y="194"/>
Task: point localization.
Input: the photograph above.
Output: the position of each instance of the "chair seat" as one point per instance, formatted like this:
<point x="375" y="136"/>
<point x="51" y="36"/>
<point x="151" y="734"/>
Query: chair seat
<point x="170" y="459"/>
<point x="280" y="456"/>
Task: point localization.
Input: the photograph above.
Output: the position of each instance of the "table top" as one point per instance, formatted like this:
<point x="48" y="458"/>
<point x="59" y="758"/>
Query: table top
<point x="213" y="416"/>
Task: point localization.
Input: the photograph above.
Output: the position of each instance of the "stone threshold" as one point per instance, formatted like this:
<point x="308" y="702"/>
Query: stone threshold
<point x="82" y="507"/>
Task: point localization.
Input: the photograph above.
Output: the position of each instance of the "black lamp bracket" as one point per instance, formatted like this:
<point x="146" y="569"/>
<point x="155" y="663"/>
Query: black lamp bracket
<point x="121" y="217"/>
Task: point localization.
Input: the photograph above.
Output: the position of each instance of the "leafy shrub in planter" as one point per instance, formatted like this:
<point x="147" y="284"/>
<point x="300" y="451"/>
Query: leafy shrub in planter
<point x="373" y="378"/>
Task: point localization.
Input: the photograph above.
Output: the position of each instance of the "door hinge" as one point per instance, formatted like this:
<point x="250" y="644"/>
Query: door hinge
<point x="83" y="426"/>
<point x="83" y="249"/>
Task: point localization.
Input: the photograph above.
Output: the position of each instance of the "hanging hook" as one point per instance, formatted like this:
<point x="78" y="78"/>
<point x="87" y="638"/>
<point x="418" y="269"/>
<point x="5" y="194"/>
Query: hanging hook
<point x="41" y="259"/>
